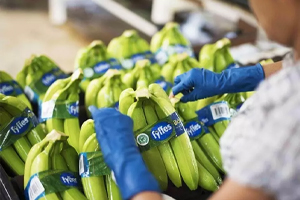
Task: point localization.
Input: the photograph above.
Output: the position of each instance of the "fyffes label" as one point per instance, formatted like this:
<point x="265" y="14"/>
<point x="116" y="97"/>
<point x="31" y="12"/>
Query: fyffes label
<point x="68" y="179"/>
<point x="19" y="125"/>
<point x="48" y="79"/>
<point x="73" y="109"/>
<point x="193" y="129"/>
<point x="161" y="131"/>
<point x="101" y="67"/>
<point x="6" y="88"/>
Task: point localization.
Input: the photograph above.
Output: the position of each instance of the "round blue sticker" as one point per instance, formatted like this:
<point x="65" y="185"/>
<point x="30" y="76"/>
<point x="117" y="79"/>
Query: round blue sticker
<point x="6" y="88"/>
<point x="19" y="125"/>
<point x="48" y="79"/>
<point x="73" y="109"/>
<point x="193" y="129"/>
<point x="161" y="131"/>
<point x="68" y="179"/>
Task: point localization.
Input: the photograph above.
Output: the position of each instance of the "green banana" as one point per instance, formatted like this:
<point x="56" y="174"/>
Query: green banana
<point x="71" y="157"/>
<point x="151" y="157"/>
<point x="94" y="187"/>
<point x="126" y="99"/>
<point x="186" y="161"/>
<point x="87" y="129"/>
<point x="112" y="189"/>
<point x="165" y="149"/>
<point x="157" y="91"/>
<point x="206" y="180"/>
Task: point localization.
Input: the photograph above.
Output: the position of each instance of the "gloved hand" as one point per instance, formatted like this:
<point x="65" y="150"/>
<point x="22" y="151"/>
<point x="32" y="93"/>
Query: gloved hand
<point x="115" y="135"/>
<point x="201" y="83"/>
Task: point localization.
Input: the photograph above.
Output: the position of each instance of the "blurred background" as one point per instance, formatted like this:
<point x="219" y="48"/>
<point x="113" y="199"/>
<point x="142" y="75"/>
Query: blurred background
<point x="59" y="28"/>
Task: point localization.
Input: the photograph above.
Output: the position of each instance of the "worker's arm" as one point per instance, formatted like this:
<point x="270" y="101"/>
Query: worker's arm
<point x="234" y="191"/>
<point x="200" y="83"/>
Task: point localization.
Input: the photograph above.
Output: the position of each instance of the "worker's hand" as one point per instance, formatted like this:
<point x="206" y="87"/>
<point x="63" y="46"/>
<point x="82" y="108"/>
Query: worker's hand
<point x="115" y="135"/>
<point x="200" y="83"/>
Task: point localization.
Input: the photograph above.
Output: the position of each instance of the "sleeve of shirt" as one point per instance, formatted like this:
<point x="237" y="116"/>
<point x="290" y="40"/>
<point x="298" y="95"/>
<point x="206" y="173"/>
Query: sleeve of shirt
<point x="261" y="147"/>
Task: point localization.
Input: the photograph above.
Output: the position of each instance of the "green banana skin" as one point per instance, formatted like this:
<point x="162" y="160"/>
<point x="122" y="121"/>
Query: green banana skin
<point x="112" y="189"/>
<point x="165" y="149"/>
<point x="187" y="161"/>
<point x="42" y="162"/>
<point x="206" y="180"/>
<point x="152" y="157"/>
<point x="87" y="129"/>
<point x="94" y="187"/>
<point x="126" y="100"/>
<point x="157" y="91"/>
<point x="71" y="157"/>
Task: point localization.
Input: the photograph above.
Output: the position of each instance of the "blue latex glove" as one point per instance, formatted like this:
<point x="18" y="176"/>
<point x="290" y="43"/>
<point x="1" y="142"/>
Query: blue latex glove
<point x="201" y="83"/>
<point x="115" y="135"/>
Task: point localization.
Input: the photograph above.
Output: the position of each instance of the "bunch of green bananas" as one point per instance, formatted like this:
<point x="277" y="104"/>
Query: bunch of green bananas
<point x="142" y="75"/>
<point x="52" y="156"/>
<point x="94" y="61"/>
<point x="38" y="73"/>
<point x="105" y="91"/>
<point x="177" y="65"/>
<point x="8" y="86"/>
<point x="168" y="42"/>
<point x="96" y="186"/>
<point x="129" y="48"/>
<point x="206" y="148"/>
<point x="60" y="107"/>
<point x="19" y="127"/>
<point x="174" y="158"/>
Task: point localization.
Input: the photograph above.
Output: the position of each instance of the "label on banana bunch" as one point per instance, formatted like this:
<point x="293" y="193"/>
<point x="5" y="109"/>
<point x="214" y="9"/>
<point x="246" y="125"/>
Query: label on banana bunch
<point x="162" y="55"/>
<point x="18" y="127"/>
<point x="50" y="181"/>
<point x="195" y="129"/>
<point x="166" y="86"/>
<point x="59" y="109"/>
<point x="160" y="132"/>
<point x="10" y="88"/>
<point x="92" y="164"/>
<point x="114" y="63"/>
<point x="214" y="113"/>
<point x="129" y="63"/>
<point x="40" y="86"/>
<point x="150" y="56"/>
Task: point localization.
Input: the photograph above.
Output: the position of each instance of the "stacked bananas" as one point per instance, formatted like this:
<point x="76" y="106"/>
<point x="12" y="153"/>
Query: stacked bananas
<point x="173" y="157"/>
<point x="55" y="164"/>
<point x="38" y="73"/>
<point x="129" y="48"/>
<point x="19" y="131"/>
<point x="168" y="42"/>
<point x="143" y="74"/>
<point x="206" y="148"/>
<point x="94" y="62"/>
<point x="60" y="107"/>
<point x="8" y="86"/>
<point x="105" y="91"/>
<point x="96" y="179"/>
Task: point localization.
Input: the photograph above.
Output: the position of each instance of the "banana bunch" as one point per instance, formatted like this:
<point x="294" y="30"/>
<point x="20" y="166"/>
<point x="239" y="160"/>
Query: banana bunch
<point x="143" y="74"/>
<point x="206" y="148"/>
<point x="38" y="73"/>
<point x="177" y="65"/>
<point x="94" y="62"/>
<point x="8" y="86"/>
<point x="96" y="180"/>
<point x="19" y="131"/>
<point x="129" y="48"/>
<point x="160" y="135"/>
<point x="60" y="107"/>
<point x="52" y="164"/>
<point x="168" y="42"/>
<point x="105" y="91"/>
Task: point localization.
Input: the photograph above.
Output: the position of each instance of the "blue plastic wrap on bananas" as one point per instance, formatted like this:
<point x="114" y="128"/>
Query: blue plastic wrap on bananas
<point x="37" y="75"/>
<point x="168" y="42"/>
<point x="130" y="48"/>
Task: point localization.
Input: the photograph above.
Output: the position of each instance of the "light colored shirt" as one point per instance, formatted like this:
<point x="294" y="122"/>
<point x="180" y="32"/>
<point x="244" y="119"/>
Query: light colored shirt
<point x="261" y="146"/>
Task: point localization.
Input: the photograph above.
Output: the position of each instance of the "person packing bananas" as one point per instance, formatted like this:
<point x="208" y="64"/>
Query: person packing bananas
<point x="260" y="148"/>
